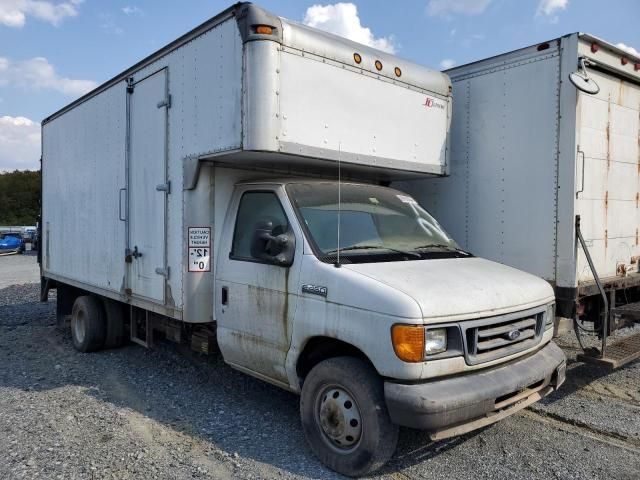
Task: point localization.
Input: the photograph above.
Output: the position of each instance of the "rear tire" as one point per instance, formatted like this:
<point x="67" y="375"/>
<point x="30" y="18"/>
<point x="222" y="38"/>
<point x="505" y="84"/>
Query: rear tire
<point x="344" y="416"/>
<point x="114" y="322"/>
<point x="88" y="324"/>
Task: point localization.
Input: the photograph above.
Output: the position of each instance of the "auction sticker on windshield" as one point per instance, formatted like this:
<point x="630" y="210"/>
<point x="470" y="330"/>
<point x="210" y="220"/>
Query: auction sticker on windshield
<point x="199" y="249"/>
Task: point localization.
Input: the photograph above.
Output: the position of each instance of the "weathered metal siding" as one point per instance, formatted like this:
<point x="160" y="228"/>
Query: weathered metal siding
<point x="500" y="200"/>
<point x="83" y="237"/>
<point x="84" y="165"/>
<point x="608" y="160"/>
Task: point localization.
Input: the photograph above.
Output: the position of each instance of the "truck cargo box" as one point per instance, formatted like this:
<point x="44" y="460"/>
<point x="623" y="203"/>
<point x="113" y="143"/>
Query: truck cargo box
<point x="124" y="194"/>
<point x="530" y="152"/>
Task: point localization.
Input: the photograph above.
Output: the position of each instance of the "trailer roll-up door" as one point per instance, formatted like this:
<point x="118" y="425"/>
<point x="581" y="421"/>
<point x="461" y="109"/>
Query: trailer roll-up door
<point x="148" y="186"/>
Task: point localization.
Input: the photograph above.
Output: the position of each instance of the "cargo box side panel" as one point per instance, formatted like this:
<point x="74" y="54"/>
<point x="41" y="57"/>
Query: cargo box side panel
<point x="204" y="118"/>
<point x="609" y="161"/>
<point x="500" y="199"/>
<point x="83" y="170"/>
<point x="368" y="121"/>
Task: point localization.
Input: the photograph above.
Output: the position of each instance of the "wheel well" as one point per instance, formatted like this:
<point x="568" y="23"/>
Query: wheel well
<point x="322" y="348"/>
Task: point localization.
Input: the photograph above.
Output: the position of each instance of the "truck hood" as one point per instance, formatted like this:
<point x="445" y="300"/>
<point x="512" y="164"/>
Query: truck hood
<point x="460" y="288"/>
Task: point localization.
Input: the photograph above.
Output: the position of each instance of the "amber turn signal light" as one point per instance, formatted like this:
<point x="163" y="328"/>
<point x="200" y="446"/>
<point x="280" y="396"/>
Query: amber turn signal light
<point x="264" y="30"/>
<point x="408" y="342"/>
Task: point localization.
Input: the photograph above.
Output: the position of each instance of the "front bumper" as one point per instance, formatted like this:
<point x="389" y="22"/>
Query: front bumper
<point x="457" y="405"/>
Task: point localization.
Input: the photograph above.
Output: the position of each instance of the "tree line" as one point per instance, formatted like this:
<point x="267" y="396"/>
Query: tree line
<point x="19" y="197"/>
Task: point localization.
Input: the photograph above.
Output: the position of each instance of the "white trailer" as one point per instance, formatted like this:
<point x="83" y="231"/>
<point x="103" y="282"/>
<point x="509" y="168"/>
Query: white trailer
<point x="229" y="190"/>
<point x="546" y="139"/>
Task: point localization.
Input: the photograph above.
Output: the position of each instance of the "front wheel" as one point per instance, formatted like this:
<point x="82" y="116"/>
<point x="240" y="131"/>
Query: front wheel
<point x="345" y="418"/>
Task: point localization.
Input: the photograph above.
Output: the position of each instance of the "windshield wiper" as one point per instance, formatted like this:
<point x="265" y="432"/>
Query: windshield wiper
<point x="376" y="247"/>
<point x="441" y="246"/>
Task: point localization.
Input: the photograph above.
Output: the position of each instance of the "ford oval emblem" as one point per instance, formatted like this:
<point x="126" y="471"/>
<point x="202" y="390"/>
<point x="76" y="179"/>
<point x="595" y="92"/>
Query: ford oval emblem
<point x="513" y="334"/>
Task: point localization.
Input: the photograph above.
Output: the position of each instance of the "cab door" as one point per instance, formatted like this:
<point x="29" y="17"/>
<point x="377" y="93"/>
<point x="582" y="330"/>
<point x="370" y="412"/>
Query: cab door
<point x="255" y="299"/>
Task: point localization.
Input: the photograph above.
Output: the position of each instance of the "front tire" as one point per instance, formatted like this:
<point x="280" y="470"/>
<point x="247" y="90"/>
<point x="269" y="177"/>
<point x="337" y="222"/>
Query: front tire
<point x="345" y="418"/>
<point x="88" y="324"/>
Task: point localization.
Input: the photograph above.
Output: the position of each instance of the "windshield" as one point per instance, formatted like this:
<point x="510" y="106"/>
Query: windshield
<point x="376" y="223"/>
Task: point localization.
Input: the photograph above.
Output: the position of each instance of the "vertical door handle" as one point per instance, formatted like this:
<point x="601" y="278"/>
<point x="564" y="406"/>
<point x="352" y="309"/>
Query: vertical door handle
<point x="581" y="153"/>
<point x="224" y="298"/>
<point x="122" y="214"/>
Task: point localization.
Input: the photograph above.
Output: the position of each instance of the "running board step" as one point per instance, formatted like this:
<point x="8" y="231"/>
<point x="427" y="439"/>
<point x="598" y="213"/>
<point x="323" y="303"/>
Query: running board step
<point x="619" y="353"/>
<point x="630" y="311"/>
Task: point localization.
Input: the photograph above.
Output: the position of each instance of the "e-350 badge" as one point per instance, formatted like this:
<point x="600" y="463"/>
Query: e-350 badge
<point x="314" y="289"/>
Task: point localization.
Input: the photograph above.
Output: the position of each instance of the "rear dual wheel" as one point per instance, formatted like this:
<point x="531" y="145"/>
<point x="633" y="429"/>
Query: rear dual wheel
<point x="96" y="324"/>
<point x="345" y="418"/>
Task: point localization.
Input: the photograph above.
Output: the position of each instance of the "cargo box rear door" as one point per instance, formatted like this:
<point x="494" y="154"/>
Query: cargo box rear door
<point x="608" y="175"/>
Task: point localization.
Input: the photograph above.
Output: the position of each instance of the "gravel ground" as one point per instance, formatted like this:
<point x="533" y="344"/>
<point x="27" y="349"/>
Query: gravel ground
<point x="134" y="413"/>
<point x="16" y="269"/>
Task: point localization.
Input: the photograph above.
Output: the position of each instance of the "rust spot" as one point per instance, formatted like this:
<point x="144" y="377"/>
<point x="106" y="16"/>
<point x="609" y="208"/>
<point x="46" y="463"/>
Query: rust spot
<point x="621" y="270"/>
<point x="635" y="258"/>
<point x="621" y="93"/>
<point x="636" y="243"/>
<point x="637" y="197"/>
<point x="606" y="200"/>
<point x="127" y="291"/>
<point x="606" y="238"/>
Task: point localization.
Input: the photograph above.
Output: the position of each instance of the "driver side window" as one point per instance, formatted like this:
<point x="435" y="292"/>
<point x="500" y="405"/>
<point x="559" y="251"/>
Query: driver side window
<point x="255" y="209"/>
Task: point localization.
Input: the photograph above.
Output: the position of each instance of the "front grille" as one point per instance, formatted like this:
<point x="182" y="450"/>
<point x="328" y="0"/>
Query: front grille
<point x="497" y="337"/>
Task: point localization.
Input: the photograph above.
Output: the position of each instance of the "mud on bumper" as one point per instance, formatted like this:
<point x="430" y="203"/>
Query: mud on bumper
<point x="457" y="405"/>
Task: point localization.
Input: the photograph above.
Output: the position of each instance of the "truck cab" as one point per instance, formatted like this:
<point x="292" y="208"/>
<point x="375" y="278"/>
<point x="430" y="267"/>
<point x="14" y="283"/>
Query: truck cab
<point x="329" y="289"/>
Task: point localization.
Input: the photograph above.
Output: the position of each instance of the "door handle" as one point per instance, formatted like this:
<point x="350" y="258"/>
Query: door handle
<point x="121" y="215"/>
<point x="224" y="297"/>
<point x="578" y="192"/>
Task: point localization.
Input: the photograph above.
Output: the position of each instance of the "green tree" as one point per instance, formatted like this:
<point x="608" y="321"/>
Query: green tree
<point x="19" y="197"/>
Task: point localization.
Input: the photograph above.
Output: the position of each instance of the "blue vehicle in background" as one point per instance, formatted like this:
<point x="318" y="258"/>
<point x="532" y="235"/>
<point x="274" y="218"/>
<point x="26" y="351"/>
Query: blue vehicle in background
<point x="11" y="242"/>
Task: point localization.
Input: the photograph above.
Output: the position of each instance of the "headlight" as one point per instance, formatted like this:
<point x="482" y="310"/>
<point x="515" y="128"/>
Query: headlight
<point x="412" y="343"/>
<point x="435" y="341"/>
<point x="550" y="316"/>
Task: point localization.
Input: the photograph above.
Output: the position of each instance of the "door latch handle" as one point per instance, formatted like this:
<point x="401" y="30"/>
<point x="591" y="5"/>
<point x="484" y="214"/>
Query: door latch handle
<point x="129" y="254"/>
<point x="224" y="298"/>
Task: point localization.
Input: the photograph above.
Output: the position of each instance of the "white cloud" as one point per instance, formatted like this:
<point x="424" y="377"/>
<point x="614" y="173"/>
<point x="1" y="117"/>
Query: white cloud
<point x="14" y="13"/>
<point x="37" y="73"/>
<point x="468" y="7"/>
<point x="19" y="144"/>
<point x="109" y="24"/>
<point x="129" y="10"/>
<point x="342" y="19"/>
<point x="447" y="63"/>
<point x="628" y="49"/>
<point x="550" y="7"/>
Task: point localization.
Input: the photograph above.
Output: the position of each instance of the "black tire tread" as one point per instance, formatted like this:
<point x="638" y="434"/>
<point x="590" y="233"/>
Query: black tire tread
<point x="364" y="382"/>
<point x="114" y="323"/>
<point x="95" y="323"/>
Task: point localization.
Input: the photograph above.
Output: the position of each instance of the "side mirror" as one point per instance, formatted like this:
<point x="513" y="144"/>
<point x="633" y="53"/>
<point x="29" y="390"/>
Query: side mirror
<point x="273" y="245"/>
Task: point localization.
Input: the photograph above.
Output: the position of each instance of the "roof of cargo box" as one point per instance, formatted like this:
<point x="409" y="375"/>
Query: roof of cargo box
<point x="298" y="37"/>
<point x="634" y="59"/>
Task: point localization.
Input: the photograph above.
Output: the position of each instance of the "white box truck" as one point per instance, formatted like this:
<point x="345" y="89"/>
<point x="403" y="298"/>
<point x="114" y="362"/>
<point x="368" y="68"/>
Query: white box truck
<point x="545" y="149"/>
<point x="230" y="189"/>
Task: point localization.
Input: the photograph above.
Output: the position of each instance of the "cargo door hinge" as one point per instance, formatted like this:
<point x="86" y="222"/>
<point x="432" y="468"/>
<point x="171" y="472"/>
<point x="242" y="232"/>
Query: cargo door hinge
<point x="164" y="187"/>
<point x="165" y="103"/>
<point x="163" y="271"/>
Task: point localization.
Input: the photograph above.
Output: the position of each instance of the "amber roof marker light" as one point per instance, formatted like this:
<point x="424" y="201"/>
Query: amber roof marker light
<point x="397" y="71"/>
<point x="378" y="65"/>
<point x="357" y="58"/>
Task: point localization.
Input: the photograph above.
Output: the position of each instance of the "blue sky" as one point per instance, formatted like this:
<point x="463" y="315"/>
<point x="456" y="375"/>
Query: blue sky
<point x="53" y="51"/>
